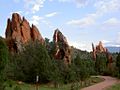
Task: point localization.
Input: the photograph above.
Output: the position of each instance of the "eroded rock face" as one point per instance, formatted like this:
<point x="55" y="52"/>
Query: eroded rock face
<point x="63" y="50"/>
<point x="19" y="32"/>
<point x="100" y="49"/>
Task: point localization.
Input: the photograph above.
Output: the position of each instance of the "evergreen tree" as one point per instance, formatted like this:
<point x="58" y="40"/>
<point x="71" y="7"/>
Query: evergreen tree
<point x="3" y="62"/>
<point x="81" y="68"/>
<point x="33" y="61"/>
<point x="118" y="62"/>
<point x="101" y="63"/>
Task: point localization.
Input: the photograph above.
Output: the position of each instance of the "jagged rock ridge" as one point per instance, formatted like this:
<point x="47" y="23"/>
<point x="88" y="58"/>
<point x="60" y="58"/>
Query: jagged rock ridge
<point x="19" y="32"/>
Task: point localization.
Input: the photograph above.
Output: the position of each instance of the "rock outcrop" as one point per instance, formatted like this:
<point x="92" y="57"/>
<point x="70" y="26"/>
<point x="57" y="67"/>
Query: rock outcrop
<point x="19" y="32"/>
<point x="63" y="50"/>
<point x="100" y="49"/>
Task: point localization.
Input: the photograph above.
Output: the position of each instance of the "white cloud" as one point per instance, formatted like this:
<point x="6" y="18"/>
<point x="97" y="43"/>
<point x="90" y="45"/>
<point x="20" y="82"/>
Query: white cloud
<point x="79" y="3"/>
<point x="115" y="42"/>
<point x="110" y="24"/>
<point x="82" y="23"/>
<point x="105" y="41"/>
<point x="48" y="23"/>
<point x="34" y="5"/>
<point x="107" y="6"/>
<point x="36" y="20"/>
<point x="102" y="7"/>
<point x="115" y="45"/>
<point x="51" y="14"/>
<point x="112" y="21"/>
<point x="118" y="38"/>
<point x="81" y="45"/>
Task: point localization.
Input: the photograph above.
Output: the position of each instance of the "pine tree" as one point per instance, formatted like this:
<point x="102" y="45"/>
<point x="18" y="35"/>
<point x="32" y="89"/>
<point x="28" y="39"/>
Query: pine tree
<point x="3" y="62"/>
<point x="118" y="62"/>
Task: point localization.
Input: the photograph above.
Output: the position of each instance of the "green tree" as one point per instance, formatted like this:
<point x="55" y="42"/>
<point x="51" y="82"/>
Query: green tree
<point x="118" y="63"/>
<point x="56" y="72"/>
<point x="82" y="69"/>
<point x="101" y="63"/>
<point x="33" y="61"/>
<point x="3" y="62"/>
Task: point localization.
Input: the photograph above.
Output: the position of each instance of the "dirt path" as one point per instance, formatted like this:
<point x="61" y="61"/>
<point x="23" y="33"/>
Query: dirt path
<point x="101" y="86"/>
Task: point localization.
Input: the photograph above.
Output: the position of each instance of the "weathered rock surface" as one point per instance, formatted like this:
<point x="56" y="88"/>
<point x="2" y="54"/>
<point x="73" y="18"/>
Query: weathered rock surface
<point x="19" y="32"/>
<point x="100" y="49"/>
<point x="63" y="50"/>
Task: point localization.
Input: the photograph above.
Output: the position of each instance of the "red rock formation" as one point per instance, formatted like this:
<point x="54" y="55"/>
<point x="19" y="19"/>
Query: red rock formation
<point x="100" y="49"/>
<point x="19" y="32"/>
<point x="63" y="50"/>
<point x="35" y="34"/>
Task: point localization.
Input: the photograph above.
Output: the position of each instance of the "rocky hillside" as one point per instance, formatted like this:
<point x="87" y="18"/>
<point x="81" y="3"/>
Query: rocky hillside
<point x="19" y="32"/>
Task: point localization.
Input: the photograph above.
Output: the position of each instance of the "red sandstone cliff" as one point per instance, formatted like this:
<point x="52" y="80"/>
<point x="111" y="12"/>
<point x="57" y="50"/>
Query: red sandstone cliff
<point x="19" y="32"/>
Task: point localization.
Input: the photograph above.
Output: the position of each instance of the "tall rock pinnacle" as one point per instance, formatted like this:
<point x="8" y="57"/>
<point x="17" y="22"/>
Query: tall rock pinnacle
<point x="63" y="50"/>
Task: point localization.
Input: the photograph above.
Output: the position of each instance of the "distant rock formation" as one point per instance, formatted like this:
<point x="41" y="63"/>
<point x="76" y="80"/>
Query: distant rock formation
<point x="100" y="49"/>
<point x="19" y="32"/>
<point x="63" y="50"/>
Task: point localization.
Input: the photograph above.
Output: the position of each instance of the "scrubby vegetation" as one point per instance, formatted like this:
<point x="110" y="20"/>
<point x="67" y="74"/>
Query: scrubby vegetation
<point x="37" y="60"/>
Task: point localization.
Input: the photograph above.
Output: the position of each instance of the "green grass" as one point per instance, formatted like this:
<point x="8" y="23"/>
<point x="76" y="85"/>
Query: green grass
<point x="24" y="86"/>
<point x="115" y="87"/>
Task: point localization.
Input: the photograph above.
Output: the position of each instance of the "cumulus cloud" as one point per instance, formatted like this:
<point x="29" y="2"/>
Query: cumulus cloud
<point x="102" y="7"/>
<point x="82" y="23"/>
<point x="34" y="5"/>
<point x="81" y="45"/>
<point x="112" y="21"/>
<point x="107" y="6"/>
<point x="110" y="24"/>
<point x="51" y="14"/>
<point x="36" y="20"/>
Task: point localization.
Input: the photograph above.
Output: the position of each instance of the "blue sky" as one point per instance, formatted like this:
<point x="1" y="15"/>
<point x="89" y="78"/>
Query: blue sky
<point x="81" y="21"/>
